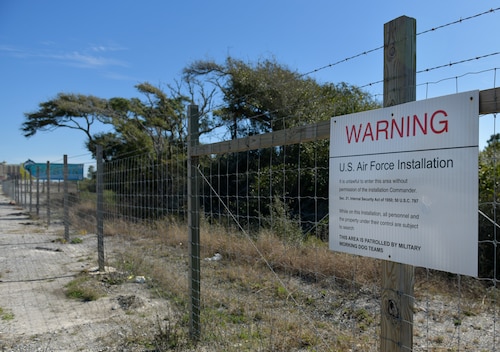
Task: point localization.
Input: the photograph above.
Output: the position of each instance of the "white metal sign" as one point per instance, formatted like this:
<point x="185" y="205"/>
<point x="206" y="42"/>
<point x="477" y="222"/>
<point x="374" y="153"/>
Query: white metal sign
<point x="404" y="183"/>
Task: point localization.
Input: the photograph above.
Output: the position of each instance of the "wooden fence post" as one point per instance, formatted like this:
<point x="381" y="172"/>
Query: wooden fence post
<point x="396" y="332"/>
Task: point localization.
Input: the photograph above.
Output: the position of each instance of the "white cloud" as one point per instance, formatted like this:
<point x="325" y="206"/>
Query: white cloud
<point x="78" y="59"/>
<point x="106" y="48"/>
<point x="84" y="58"/>
<point x="12" y="51"/>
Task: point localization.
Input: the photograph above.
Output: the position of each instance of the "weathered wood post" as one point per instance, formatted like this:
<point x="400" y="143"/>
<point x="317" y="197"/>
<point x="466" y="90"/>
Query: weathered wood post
<point x="398" y="279"/>
<point x="194" y="223"/>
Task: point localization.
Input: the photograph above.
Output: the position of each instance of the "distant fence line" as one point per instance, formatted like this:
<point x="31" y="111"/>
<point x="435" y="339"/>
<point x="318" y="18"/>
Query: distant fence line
<point x="281" y="189"/>
<point x="269" y="188"/>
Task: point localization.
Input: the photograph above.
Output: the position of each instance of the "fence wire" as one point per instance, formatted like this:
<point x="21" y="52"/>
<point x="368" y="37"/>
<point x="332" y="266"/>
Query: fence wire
<point x="268" y="280"/>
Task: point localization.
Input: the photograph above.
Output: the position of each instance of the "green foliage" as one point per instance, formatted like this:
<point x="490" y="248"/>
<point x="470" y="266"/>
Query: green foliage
<point x="363" y="317"/>
<point x="109" y="197"/>
<point x="281" y="292"/>
<point x="74" y="111"/>
<point x="84" y="288"/>
<point x="154" y="125"/>
<point x="169" y="336"/>
<point x="268" y="96"/>
<point x="87" y="185"/>
<point x="150" y="130"/>
<point x="283" y="224"/>
<point x="489" y="180"/>
<point x="6" y="315"/>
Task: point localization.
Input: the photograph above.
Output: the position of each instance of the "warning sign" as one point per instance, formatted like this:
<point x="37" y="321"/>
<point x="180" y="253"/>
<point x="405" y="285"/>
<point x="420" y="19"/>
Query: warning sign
<point x="404" y="183"/>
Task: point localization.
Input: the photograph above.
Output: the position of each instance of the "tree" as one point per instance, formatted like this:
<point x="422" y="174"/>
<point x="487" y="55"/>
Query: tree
<point x="74" y="111"/>
<point x="91" y="172"/>
<point x="154" y="125"/>
<point x="158" y="118"/>
<point x="268" y="96"/>
<point x="489" y="189"/>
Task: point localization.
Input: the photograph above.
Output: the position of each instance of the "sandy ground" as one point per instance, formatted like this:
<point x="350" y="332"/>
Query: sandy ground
<point x="35" y="314"/>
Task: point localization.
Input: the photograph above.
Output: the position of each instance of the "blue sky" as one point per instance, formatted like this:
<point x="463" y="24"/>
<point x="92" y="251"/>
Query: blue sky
<point x="105" y="48"/>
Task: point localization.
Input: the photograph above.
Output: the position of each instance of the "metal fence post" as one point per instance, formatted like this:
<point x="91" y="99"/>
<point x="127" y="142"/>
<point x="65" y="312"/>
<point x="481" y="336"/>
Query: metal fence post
<point x="48" y="193"/>
<point x="25" y="187"/>
<point x="38" y="191"/>
<point x="66" y="206"/>
<point x="17" y="194"/>
<point x="30" y="180"/>
<point x="193" y="224"/>
<point x="100" y="209"/>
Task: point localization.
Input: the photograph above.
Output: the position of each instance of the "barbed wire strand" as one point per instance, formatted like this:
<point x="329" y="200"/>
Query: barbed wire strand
<point x="418" y="72"/>
<point x="433" y="29"/>
<point x="461" y="20"/>
<point x="458" y="62"/>
<point x="366" y="52"/>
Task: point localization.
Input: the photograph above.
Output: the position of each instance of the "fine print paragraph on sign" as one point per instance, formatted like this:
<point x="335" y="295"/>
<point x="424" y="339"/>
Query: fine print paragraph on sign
<point x="403" y="183"/>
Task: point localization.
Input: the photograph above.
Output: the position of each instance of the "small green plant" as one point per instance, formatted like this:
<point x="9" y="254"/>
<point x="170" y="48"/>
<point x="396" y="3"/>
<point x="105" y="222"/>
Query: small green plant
<point x="6" y="316"/>
<point x="284" y="224"/>
<point x="237" y="316"/>
<point x="468" y="313"/>
<point x="169" y="336"/>
<point x="439" y="339"/>
<point x="84" y="288"/>
<point x="362" y="316"/>
<point x="76" y="240"/>
<point x="281" y="291"/>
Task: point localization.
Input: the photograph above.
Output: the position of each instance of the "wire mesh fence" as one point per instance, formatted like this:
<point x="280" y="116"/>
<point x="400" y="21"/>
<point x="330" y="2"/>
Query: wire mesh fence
<point x="250" y="270"/>
<point x="268" y="280"/>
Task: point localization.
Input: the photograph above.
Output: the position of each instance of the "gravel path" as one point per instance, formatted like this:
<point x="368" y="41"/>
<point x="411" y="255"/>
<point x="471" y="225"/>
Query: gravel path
<point x="35" y="314"/>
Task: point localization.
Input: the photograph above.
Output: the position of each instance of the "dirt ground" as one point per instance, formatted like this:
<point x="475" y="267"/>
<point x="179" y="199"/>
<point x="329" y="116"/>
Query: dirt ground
<point x="36" y="315"/>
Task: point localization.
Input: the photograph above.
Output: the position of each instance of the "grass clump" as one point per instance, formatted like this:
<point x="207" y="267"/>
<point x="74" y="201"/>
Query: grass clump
<point x="169" y="336"/>
<point x="273" y="289"/>
<point x="85" y="288"/>
<point x="5" y="315"/>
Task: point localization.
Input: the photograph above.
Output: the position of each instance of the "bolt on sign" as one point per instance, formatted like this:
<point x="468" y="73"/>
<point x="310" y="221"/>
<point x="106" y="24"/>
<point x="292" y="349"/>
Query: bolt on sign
<point x="404" y="183"/>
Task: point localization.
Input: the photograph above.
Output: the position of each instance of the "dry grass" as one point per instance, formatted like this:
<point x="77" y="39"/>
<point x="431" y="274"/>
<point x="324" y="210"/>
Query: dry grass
<point x="266" y="294"/>
<point x="84" y="288"/>
<point x="253" y="299"/>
